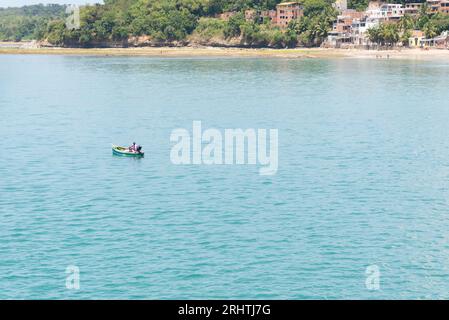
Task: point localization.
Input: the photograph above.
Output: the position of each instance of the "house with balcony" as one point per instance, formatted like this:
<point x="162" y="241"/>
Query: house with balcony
<point x="343" y="28"/>
<point x="434" y="5"/>
<point x="386" y="12"/>
<point x="359" y="30"/>
<point x="444" y="7"/>
<point x="412" y="8"/>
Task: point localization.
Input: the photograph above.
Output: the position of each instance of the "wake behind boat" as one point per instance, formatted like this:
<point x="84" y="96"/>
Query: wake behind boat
<point x="126" y="152"/>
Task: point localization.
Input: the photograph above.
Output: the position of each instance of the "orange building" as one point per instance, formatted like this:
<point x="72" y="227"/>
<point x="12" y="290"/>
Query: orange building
<point x="441" y="6"/>
<point x="288" y="11"/>
<point x="345" y="19"/>
<point x="252" y="14"/>
<point x="444" y="6"/>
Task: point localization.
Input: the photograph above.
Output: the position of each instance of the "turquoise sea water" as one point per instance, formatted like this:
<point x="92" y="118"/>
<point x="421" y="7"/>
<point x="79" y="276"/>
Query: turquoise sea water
<point x="363" y="179"/>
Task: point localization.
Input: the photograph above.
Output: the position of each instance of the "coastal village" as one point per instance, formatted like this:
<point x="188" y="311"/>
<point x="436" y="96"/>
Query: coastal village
<point x="350" y="30"/>
<point x="339" y="24"/>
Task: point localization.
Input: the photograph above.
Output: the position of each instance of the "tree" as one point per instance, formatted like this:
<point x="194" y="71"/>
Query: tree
<point x="55" y="32"/>
<point x="314" y="26"/>
<point x="430" y="30"/>
<point x="405" y="37"/>
<point x="359" y="5"/>
<point x="390" y="33"/>
<point x="441" y="22"/>
<point x="167" y="21"/>
<point x="233" y="26"/>
<point x="375" y="35"/>
<point x="385" y="34"/>
<point x="28" y="22"/>
<point x="423" y="17"/>
<point x="406" y="23"/>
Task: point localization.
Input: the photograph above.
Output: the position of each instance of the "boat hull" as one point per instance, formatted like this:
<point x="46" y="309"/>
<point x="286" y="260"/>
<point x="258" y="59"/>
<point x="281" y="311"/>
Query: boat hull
<point x="124" y="152"/>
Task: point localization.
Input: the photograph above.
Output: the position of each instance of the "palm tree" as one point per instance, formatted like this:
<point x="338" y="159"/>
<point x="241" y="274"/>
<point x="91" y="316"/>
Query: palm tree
<point x="424" y="10"/>
<point x="406" y="23"/>
<point x="424" y="16"/>
<point x="405" y="36"/>
<point x="430" y="30"/>
<point x="390" y="33"/>
<point x="320" y="31"/>
<point x="374" y="35"/>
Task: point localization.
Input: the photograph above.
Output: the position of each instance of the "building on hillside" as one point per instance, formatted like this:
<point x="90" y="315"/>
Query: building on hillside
<point x="438" y="6"/>
<point x="434" y="5"/>
<point x="252" y="14"/>
<point x="350" y="28"/>
<point x="415" y="40"/>
<point x="337" y="39"/>
<point x="270" y="14"/>
<point x="386" y="12"/>
<point x="288" y="11"/>
<point x="343" y="24"/>
<point x="346" y="28"/>
<point x="344" y="20"/>
<point x="444" y="7"/>
<point x="359" y="30"/>
<point x="284" y="13"/>
<point x="412" y="8"/>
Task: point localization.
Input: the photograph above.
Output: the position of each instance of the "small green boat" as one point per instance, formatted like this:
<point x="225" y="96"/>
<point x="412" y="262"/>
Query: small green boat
<point x="123" y="151"/>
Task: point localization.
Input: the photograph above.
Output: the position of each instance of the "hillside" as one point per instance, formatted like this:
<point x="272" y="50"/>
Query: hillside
<point x="28" y="22"/>
<point x="167" y="22"/>
<point x="237" y="23"/>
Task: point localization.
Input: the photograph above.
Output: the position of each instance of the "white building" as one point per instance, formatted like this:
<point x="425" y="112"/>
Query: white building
<point x="360" y="28"/>
<point x="386" y="11"/>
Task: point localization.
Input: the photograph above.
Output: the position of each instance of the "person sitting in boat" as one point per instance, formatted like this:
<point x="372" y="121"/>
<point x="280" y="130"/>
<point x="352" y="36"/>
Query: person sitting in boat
<point x="133" y="147"/>
<point x="139" y="149"/>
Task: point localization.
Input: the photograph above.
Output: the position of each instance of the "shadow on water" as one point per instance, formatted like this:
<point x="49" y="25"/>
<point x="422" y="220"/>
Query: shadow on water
<point x="136" y="158"/>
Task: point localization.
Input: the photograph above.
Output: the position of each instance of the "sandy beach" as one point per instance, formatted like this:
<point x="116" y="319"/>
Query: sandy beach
<point x="413" y="54"/>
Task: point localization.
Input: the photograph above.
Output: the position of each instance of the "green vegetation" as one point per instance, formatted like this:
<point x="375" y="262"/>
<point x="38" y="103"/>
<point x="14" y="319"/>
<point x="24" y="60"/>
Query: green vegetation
<point x="438" y="23"/>
<point x="217" y="6"/>
<point x="171" y="22"/>
<point x="358" y="5"/>
<point x="317" y="21"/>
<point x="389" y="34"/>
<point x="385" y="34"/>
<point x="209" y="28"/>
<point x="168" y="22"/>
<point x="264" y="34"/>
<point x="28" y="22"/>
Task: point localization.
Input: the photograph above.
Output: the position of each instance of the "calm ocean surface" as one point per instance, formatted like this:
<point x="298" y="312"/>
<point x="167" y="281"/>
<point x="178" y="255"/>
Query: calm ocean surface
<point x="363" y="179"/>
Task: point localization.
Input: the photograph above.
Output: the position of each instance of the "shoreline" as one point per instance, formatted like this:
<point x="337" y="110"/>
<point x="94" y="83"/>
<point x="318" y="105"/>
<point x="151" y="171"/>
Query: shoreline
<point x="296" y="53"/>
